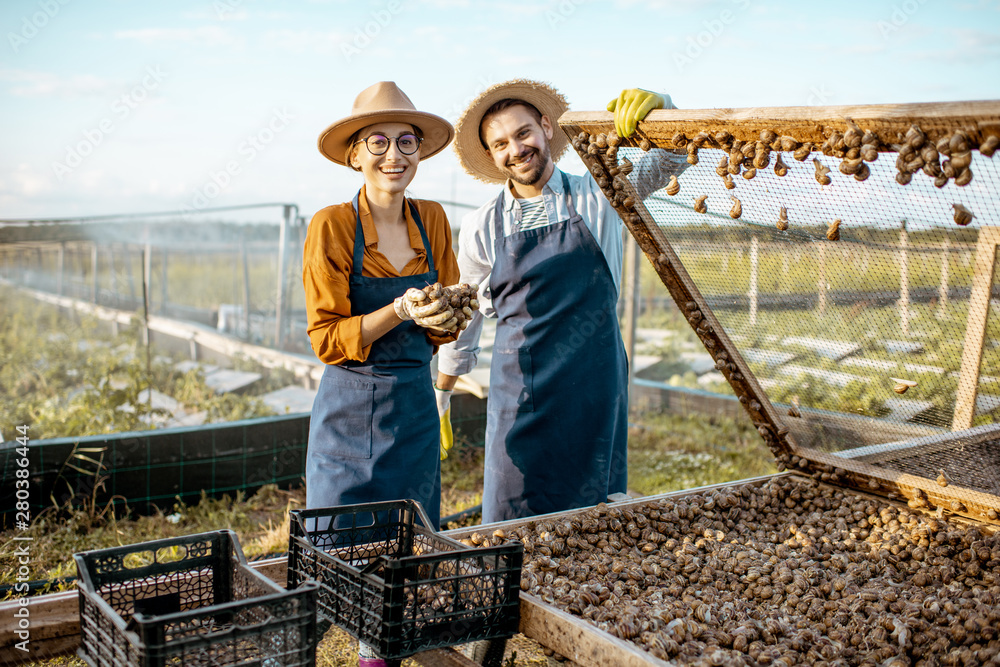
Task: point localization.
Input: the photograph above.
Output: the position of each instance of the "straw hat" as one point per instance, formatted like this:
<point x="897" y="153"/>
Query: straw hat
<point x="384" y="103"/>
<point x="474" y="158"/>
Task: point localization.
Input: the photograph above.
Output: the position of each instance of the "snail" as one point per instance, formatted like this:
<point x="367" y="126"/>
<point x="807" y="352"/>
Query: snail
<point x="863" y="173"/>
<point x="699" y="204"/>
<point x="787" y="144"/>
<point x="959" y="142"/>
<point x="915" y="136"/>
<point x="941" y="181"/>
<point x="625" y="167"/>
<point x="613" y="140"/>
<point x="803" y="152"/>
<point x="964" y="178"/>
<point x="853" y="135"/>
<point x="780" y="168"/>
<point x="722" y="137"/>
<point x="768" y="136"/>
<point x="944" y="145"/>
<point x="963" y="216"/>
<point x="762" y="157"/>
<point x="692" y="157"/>
<point x="737" y="210"/>
<point x="903" y="178"/>
<point x="750" y="173"/>
<point x="645" y="144"/>
<point x="850" y="167"/>
<point x="833" y="230"/>
<point x="960" y="160"/>
<point x="673" y="187"/>
<point x="782" y="223"/>
<point x="989" y="147"/>
<point x="727" y="180"/>
<point x="822" y="172"/>
<point x="679" y="140"/>
<point x="942" y="479"/>
<point x="601" y="140"/>
<point x="723" y="167"/>
<point x="869" y="152"/>
<point x="902" y="386"/>
<point x="701" y="139"/>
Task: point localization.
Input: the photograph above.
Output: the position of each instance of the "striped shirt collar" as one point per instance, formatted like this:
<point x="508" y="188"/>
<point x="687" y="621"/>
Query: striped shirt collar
<point x="554" y="185"/>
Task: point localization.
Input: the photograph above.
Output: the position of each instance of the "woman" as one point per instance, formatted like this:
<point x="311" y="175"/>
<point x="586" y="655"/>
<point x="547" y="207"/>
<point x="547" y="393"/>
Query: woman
<point x="375" y="433"/>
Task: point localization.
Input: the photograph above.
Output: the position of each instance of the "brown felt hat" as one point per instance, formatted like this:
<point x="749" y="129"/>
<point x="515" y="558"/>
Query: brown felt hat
<point x="384" y="103"/>
<point x="474" y="158"/>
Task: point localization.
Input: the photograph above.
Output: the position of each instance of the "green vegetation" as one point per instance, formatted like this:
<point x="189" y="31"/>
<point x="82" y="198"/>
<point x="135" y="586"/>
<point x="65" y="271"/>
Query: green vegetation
<point x="65" y="375"/>
<point x="938" y="331"/>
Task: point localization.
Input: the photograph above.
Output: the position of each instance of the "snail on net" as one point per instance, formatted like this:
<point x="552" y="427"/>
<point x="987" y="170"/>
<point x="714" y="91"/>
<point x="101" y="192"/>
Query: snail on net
<point x="822" y="172"/>
<point x="782" y="223"/>
<point x="833" y="230"/>
<point x="673" y="187"/>
<point x="963" y="216"/>
<point x="780" y="168"/>
<point x="901" y="385"/>
<point x="737" y="210"/>
<point x="699" y="204"/>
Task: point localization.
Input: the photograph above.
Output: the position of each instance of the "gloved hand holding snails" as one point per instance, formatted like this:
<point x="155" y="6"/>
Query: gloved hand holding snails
<point x="443" y="309"/>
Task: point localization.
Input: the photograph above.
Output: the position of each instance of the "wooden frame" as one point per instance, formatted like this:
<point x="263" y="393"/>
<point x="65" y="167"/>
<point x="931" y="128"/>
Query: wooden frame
<point x="975" y="328"/>
<point x="670" y="129"/>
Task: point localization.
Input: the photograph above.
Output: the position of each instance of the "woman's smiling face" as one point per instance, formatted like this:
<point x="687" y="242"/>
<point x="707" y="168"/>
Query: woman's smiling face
<point x="392" y="171"/>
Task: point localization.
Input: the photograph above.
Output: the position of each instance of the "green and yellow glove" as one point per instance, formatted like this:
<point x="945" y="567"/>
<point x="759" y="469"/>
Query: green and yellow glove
<point x="443" y="398"/>
<point x="632" y="105"/>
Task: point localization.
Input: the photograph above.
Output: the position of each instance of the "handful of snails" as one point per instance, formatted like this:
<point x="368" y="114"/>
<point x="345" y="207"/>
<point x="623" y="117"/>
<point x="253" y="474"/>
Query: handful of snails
<point x="446" y="309"/>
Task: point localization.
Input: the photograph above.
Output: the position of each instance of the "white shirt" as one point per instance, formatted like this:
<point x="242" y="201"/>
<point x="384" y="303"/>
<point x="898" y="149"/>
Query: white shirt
<point x="476" y="249"/>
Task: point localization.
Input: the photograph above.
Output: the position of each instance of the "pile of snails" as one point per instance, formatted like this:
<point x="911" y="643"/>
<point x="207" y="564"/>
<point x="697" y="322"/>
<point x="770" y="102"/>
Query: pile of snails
<point x="786" y="572"/>
<point x="451" y="307"/>
<point x="854" y="146"/>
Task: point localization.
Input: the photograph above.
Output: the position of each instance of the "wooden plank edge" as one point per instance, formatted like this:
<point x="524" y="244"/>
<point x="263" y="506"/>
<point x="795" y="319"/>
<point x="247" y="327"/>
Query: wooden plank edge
<point x="577" y="639"/>
<point x="980" y="118"/>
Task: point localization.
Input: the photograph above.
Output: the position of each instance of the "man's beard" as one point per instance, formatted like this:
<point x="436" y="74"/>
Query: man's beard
<point x="533" y="176"/>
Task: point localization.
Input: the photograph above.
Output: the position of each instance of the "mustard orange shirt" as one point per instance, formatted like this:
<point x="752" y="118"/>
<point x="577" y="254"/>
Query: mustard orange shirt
<point x="327" y="259"/>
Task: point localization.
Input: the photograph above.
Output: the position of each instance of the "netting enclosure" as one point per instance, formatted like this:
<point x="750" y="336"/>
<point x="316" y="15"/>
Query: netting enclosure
<point x="837" y="266"/>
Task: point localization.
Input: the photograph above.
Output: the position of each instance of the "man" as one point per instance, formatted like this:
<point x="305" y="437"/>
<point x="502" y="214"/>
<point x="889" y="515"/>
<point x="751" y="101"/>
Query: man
<point x="547" y="254"/>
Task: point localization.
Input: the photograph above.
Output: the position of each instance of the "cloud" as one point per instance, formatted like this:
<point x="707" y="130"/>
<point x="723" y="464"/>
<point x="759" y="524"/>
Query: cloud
<point x="207" y="35"/>
<point x="27" y="83"/>
<point x="968" y="45"/>
<point x="24" y="181"/>
<point x="305" y="41"/>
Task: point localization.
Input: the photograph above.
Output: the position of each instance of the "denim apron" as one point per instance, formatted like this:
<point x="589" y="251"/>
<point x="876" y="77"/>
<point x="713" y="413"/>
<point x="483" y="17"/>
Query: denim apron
<point x="557" y="413"/>
<point x="374" y="433"/>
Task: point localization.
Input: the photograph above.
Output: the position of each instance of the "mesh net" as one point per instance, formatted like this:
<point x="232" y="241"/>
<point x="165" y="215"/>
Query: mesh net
<point x="866" y="352"/>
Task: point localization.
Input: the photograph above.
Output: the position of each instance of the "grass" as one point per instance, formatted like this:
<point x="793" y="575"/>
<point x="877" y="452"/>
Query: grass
<point x="666" y="453"/>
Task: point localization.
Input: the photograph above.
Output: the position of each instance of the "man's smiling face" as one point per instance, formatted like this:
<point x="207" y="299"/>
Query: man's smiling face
<point x="518" y="143"/>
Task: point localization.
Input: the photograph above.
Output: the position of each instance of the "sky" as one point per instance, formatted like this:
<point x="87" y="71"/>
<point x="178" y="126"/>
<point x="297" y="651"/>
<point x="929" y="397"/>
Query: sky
<point x="118" y="106"/>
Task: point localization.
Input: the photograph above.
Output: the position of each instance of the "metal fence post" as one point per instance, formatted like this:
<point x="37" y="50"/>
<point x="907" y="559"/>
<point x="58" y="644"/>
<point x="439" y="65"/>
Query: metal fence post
<point x="281" y="307"/>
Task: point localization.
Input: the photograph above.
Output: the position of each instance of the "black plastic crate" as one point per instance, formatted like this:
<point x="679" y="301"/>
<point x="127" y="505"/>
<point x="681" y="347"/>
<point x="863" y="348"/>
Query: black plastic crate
<point x="190" y="601"/>
<point x="397" y="585"/>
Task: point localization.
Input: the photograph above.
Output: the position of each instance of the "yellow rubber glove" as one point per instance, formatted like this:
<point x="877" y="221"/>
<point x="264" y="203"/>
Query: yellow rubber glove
<point x="632" y="105"/>
<point x="443" y="399"/>
<point x="447" y="436"/>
